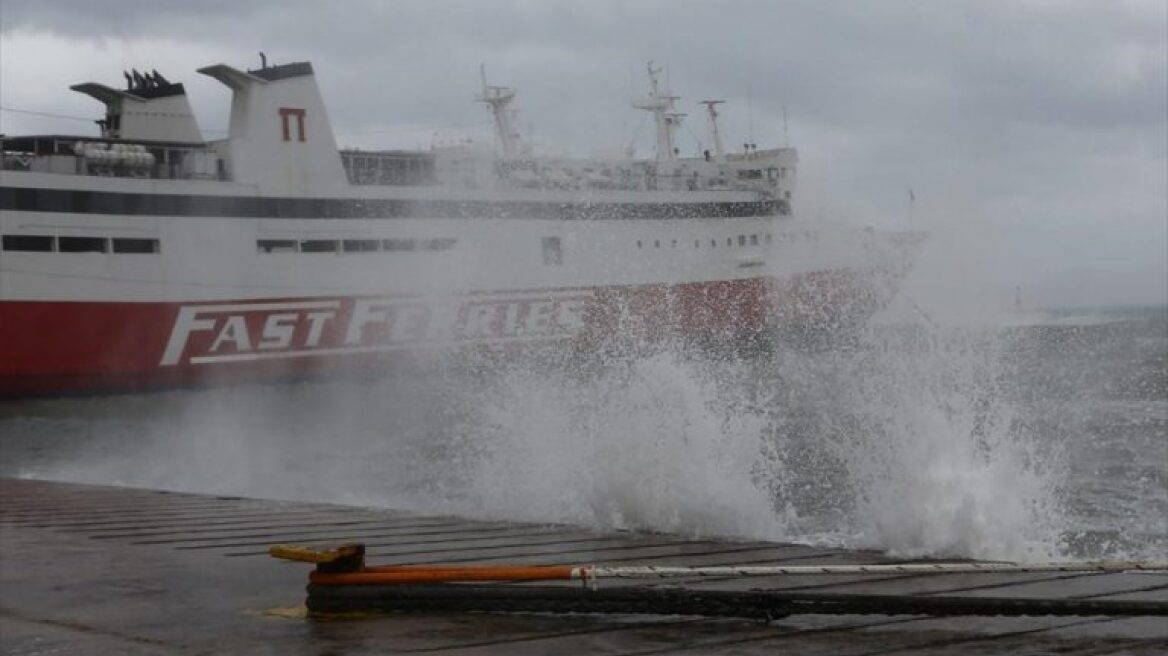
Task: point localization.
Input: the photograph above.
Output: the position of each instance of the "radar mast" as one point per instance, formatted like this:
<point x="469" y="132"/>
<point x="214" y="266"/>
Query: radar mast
<point x="498" y="98"/>
<point x="719" y="154"/>
<point x="661" y="104"/>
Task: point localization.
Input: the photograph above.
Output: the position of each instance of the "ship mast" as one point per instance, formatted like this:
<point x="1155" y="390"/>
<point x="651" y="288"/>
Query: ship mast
<point x="498" y="98"/>
<point x="719" y="154"/>
<point x="661" y="104"/>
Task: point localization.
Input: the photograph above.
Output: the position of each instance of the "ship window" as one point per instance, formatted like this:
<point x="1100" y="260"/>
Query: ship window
<point x="399" y="244"/>
<point x="82" y="244"/>
<point x="552" y="254"/>
<point x="361" y="245"/>
<point x="276" y="245"/>
<point x="741" y="240"/>
<point x="767" y="239"/>
<point x="729" y="241"/>
<point x="754" y="240"/>
<point x="639" y="244"/>
<point x="27" y="243"/>
<point x="51" y="200"/>
<point x="318" y="246"/>
<point x="132" y="245"/>
<point x="713" y="243"/>
<point x="439" y="244"/>
<point x="674" y="244"/>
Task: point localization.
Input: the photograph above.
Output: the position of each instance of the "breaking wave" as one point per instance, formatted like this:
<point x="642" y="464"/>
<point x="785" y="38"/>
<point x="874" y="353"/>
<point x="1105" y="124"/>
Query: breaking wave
<point x="905" y="440"/>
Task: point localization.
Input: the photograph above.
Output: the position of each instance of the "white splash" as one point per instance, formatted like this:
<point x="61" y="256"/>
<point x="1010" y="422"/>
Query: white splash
<point x="932" y="458"/>
<point x="905" y="442"/>
<point x="641" y="444"/>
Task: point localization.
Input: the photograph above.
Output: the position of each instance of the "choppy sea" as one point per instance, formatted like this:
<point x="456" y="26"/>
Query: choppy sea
<point x="1042" y="435"/>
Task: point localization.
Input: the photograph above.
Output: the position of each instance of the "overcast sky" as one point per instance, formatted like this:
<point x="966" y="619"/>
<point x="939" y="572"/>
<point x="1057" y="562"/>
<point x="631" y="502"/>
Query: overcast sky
<point x="1033" y="132"/>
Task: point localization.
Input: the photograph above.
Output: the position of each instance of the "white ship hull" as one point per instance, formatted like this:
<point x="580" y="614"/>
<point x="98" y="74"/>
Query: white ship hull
<point x="117" y="277"/>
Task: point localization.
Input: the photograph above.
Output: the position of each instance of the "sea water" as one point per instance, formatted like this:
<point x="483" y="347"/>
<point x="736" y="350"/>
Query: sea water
<point x="1037" y="436"/>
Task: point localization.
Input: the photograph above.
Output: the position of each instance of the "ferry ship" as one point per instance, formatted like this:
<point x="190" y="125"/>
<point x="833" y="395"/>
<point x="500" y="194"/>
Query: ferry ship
<point x="148" y="256"/>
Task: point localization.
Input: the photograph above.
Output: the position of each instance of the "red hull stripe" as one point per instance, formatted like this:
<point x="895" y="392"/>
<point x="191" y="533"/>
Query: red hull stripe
<point x="62" y="347"/>
<point x="70" y="347"/>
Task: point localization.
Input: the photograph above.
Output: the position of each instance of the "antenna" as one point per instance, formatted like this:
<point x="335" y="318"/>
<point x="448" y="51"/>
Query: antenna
<point x="750" y="111"/>
<point x="786" y="135"/>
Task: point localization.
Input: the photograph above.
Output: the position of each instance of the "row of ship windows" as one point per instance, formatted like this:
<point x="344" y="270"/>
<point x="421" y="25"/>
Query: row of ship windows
<point x="740" y="240"/>
<point x="743" y="240"/>
<point x="55" y="244"/>
<point x="62" y="244"/>
<point x="353" y="245"/>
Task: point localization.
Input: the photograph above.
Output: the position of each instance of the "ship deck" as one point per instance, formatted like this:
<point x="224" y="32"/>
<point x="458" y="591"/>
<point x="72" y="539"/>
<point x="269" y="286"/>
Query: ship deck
<point x="90" y="569"/>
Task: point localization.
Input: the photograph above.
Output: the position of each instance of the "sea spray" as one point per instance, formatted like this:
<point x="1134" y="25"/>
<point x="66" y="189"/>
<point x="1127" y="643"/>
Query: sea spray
<point x="907" y="441"/>
<point x="638" y="444"/>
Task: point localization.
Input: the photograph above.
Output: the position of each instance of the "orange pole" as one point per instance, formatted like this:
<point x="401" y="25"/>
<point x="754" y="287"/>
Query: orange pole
<point x="416" y="574"/>
<point x="441" y="568"/>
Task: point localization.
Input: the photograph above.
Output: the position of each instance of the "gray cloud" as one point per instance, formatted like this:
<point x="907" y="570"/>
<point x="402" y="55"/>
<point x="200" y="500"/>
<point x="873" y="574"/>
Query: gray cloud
<point x="1044" y="120"/>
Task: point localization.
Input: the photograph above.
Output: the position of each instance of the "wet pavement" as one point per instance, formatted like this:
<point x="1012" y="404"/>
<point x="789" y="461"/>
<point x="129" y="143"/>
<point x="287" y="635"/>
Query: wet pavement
<point x="92" y="569"/>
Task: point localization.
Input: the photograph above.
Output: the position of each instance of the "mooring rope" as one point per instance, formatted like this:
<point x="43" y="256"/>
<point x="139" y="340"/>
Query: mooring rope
<point x="590" y="574"/>
<point x="342" y="582"/>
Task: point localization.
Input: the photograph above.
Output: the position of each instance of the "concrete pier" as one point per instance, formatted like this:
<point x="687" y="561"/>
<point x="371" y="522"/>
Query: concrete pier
<point x="90" y="569"/>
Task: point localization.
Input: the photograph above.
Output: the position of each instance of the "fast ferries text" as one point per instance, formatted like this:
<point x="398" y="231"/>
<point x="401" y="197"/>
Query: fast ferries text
<point x="205" y="334"/>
